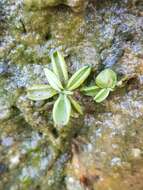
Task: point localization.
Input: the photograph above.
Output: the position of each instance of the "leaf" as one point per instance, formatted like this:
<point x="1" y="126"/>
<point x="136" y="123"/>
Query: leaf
<point x="53" y="80"/>
<point x="40" y="92"/>
<point x="90" y="91"/>
<point x="102" y="95"/>
<point x="78" y="78"/>
<point x="59" y="66"/>
<point x="62" y="110"/>
<point x="76" y="105"/>
<point x="67" y="92"/>
<point x="106" y="79"/>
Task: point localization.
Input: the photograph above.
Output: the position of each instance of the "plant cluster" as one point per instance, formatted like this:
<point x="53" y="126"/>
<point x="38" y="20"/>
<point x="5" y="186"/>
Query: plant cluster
<point x="63" y="87"/>
<point x="105" y="83"/>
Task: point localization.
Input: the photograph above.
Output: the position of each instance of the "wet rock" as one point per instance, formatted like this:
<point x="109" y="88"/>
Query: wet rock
<point x="3" y="68"/>
<point x="3" y="168"/>
<point x="2" y="17"/>
<point x="84" y="54"/>
<point x="7" y="141"/>
<point x="127" y="29"/>
<point x="136" y="153"/>
<point x="77" y="5"/>
<point x="111" y="56"/>
<point x="107" y="144"/>
<point x="7" y="101"/>
<point x="5" y="111"/>
<point x="14" y="160"/>
<point x="73" y="183"/>
<point x="131" y="61"/>
<point x="24" y="76"/>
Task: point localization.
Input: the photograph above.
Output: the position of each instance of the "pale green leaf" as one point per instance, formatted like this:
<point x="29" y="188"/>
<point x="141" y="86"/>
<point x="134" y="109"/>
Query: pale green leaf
<point x="76" y="105"/>
<point x="53" y="80"/>
<point x="40" y="92"/>
<point x="59" y="66"/>
<point x="78" y="78"/>
<point x="67" y="92"/>
<point x="90" y="91"/>
<point x="101" y="95"/>
<point x="62" y="110"/>
<point x="106" y="79"/>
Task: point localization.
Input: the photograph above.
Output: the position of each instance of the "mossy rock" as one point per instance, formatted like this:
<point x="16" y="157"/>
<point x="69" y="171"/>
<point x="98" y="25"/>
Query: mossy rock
<point x="42" y="4"/>
<point x="77" y="5"/>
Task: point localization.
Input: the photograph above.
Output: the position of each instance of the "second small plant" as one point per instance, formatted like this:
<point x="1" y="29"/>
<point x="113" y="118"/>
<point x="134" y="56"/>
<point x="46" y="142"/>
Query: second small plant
<point x="105" y="82"/>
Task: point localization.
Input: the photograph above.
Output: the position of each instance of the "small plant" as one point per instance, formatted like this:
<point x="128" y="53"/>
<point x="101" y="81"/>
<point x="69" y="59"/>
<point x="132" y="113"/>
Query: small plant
<point x="61" y="85"/>
<point x="105" y="83"/>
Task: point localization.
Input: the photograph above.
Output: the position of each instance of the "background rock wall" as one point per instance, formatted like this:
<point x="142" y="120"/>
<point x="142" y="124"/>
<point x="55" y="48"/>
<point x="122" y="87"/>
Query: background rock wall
<point x="103" y="149"/>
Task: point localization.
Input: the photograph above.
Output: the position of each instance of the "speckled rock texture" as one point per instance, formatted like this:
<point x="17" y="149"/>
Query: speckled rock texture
<point x="101" y="150"/>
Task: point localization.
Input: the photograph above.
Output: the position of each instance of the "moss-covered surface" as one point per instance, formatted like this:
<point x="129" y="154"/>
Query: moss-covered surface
<point x="101" y="150"/>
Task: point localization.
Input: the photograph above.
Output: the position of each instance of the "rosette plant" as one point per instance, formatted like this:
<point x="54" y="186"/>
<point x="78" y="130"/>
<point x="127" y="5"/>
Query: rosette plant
<point x="105" y="82"/>
<point x="62" y="86"/>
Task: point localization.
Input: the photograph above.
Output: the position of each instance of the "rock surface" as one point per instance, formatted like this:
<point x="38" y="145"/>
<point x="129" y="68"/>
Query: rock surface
<point x="101" y="150"/>
<point x="76" y="5"/>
